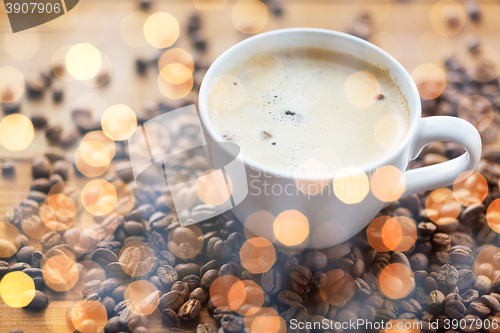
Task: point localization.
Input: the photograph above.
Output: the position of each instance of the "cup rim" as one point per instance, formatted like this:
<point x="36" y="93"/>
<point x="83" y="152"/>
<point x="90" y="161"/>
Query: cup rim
<point x="415" y="110"/>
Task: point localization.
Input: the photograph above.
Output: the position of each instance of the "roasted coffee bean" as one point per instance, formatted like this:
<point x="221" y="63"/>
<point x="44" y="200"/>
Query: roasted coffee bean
<point x="379" y="264"/>
<point x="316" y="261"/>
<point x="289" y="297"/>
<point x="430" y="284"/>
<point x="479" y="309"/>
<point x="447" y="277"/>
<point x="40" y="167"/>
<point x="193" y="281"/>
<point x="271" y="281"/>
<point x="210" y="276"/>
<point x="400" y="258"/>
<point x="231" y="323"/>
<point x="39" y="302"/>
<point x="16" y="330"/>
<point x="183" y="288"/>
<point x="470" y="296"/>
<point x="419" y="261"/>
<point x="169" y="318"/>
<point x="221" y="250"/>
<point x="172" y="300"/>
<point x="441" y="241"/>
<point x="231" y="268"/>
<point x="133" y="228"/>
<point x="236" y="239"/>
<point x="362" y="288"/>
<point x="50" y="239"/>
<point x="95" y="274"/>
<point x="104" y="257"/>
<point x="94" y="286"/>
<point x="482" y="284"/>
<point x="461" y="254"/>
<point x="434" y="300"/>
<point x="24" y="254"/>
<point x="465" y="280"/>
<point x="168" y="275"/>
<point x="411" y="305"/>
<point x="455" y="309"/>
<point x="109" y="303"/>
<point x="187" y="269"/>
<point x="206" y="328"/>
<point x="200" y="294"/>
<point x="189" y="310"/>
<point x="111" y="284"/>
<point x="491" y="302"/>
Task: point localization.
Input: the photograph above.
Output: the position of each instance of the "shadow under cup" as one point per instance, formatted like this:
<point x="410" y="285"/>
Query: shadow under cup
<point x="274" y="208"/>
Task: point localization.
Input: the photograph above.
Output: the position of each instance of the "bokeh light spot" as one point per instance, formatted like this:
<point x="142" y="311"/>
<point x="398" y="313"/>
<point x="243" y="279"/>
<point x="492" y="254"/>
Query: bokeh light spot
<point x="477" y="110"/>
<point x="266" y="71"/>
<point x="16" y="132"/>
<point x="430" y="80"/>
<point x="396" y="281"/>
<point x="13" y="286"/>
<point x="246" y="297"/>
<point x="336" y="287"/>
<point x="185" y="242"/>
<point x="88" y="316"/>
<point x="257" y="255"/>
<point x="351" y="185"/>
<point x="176" y="56"/>
<point x="83" y="61"/>
<point x="261" y="223"/>
<point x="249" y="16"/>
<point x="214" y="187"/>
<point x="493" y="215"/>
<point x="227" y="92"/>
<point x="483" y="64"/>
<point x="60" y="272"/>
<point x="291" y="227"/>
<point x="99" y="197"/>
<point x="389" y="131"/>
<point x="472" y="189"/>
<point x="11" y="84"/>
<point x="447" y="17"/>
<point x="9" y="243"/>
<point x="136" y="258"/>
<point x="385" y="233"/>
<point x="388" y="183"/>
<point x="161" y="30"/>
<point x="143" y="297"/>
<point x="131" y="29"/>
<point x="119" y="122"/>
<point x="22" y="45"/>
<point x="175" y="81"/>
<point x="361" y="89"/>
<point x="219" y="290"/>
<point x="442" y="206"/>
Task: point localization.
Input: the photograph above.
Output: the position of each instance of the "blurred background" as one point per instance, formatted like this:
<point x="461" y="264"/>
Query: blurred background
<point x="111" y="65"/>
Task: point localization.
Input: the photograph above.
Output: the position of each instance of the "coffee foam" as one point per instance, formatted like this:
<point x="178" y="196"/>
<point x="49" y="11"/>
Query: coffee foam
<point x="300" y="104"/>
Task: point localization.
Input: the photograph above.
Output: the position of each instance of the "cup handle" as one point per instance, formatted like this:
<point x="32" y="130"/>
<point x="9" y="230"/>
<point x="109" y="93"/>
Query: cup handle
<point x="443" y="174"/>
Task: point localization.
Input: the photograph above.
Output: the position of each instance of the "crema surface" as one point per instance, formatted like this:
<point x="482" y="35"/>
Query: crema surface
<point x="309" y="110"/>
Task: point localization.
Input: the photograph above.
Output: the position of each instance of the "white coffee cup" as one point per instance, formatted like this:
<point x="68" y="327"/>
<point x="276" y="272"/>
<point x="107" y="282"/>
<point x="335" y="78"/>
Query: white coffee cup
<point x="330" y="220"/>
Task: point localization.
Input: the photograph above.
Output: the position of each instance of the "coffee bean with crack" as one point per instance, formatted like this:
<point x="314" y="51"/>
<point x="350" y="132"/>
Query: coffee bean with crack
<point x="189" y="310"/>
<point x="168" y="275"/>
<point x="447" y="277"/>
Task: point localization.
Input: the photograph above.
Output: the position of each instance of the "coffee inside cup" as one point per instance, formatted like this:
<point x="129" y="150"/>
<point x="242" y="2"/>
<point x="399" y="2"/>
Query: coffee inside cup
<point x="309" y="110"/>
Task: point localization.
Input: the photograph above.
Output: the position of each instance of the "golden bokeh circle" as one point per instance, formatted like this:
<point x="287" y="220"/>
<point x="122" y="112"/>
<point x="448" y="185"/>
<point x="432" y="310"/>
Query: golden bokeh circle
<point x="17" y="289"/>
<point x="396" y="281"/>
<point x="185" y="242"/>
<point x="16" y="132"/>
<point x="249" y="16"/>
<point x="11" y="84"/>
<point x="483" y="64"/>
<point x="119" y="122"/>
<point x="477" y="110"/>
<point x="447" y="17"/>
<point x="175" y="81"/>
<point x="131" y="29"/>
<point x="351" y="185"/>
<point x="257" y="255"/>
<point x="161" y="30"/>
<point x="442" y="206"/>
<point x="471" y="190"/>
<point x="266" y="71"/>
<point x="142" y="297"/>
<point x="291" y="227"/>
<point x="83" y="61"/>
<point x="361" y="89"/>
<point x="336" y="287"/>
<point x="430" y="80"/>
<point x="99" y="197"/>
<point x="388" y="183"/>
<point x="176" y="55"/>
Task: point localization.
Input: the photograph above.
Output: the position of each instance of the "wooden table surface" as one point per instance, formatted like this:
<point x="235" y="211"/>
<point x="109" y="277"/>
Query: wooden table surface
<point x="402" y="27"/>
